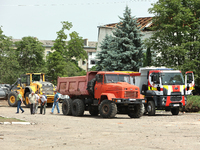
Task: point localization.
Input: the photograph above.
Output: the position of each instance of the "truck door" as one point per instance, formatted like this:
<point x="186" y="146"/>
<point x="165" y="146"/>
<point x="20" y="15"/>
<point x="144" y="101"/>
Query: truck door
<point x="189" y="82"/>
<point x="155" y="83"/>
<point x="98" y="86"/>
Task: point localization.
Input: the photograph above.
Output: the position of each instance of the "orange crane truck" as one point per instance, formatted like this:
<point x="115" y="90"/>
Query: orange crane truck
<point x="104" y="92"/>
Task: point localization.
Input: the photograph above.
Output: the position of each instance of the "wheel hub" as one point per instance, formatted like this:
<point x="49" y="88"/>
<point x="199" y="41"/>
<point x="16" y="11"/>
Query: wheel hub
<point x="12" y="99"/>
<point x="149" y="108"/>
<point x="105" y="109"/>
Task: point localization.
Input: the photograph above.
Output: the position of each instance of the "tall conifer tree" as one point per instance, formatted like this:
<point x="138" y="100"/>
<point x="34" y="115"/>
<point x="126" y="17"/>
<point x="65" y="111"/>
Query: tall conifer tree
<point x="104" y="58"/>
<point x="126" y="49"/>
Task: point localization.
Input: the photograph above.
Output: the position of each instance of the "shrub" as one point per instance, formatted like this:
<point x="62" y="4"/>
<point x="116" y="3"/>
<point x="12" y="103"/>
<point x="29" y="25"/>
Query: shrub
<point x="193" y="103"/>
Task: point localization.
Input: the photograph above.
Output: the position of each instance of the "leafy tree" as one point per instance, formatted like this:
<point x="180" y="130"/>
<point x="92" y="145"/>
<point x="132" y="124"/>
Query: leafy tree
<point x="60" y="44"/>
<point x="30" y="55"/>
<point x="94" y="68"/>
<point x="147" y="58"/>
<point x="75" y="47"/>
<point x="177" y="34"/>
<point x="63" y="61"/>
<point x="56" y="65"/>
<point x="126" y="49"/>
<point x="8" y="62"/>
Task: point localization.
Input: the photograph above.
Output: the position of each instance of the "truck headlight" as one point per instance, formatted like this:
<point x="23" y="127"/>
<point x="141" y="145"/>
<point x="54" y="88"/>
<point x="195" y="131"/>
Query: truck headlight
<point x="163" y="100"/>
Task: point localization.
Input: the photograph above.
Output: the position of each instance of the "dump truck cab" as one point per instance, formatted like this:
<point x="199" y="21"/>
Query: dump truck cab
<point x="116" y="85"/>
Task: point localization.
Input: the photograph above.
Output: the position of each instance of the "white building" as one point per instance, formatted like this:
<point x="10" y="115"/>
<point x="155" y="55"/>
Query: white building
<point x="144" y="23"/>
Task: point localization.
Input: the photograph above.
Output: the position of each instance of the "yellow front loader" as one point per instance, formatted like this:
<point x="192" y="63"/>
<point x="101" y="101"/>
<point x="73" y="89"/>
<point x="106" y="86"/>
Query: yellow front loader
<point x="28" y="83"/>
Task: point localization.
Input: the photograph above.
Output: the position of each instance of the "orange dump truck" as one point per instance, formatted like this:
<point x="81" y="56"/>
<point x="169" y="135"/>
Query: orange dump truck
<point x="105" y="93"/>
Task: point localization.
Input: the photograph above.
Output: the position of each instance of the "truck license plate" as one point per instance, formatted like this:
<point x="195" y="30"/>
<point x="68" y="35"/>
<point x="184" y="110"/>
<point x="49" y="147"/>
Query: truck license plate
<point x="175" y="105"/>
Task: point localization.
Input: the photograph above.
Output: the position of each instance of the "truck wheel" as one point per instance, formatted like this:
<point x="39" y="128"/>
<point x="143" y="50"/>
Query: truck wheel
<point x="90" y="86"/>
<point x="151" y="108"/>
<point x="107" y="109"/>
<point x="137" y="112"/>
<point x="12" y="99"/>
<point x="78" y="107"/>
<point x="93" y="110"/>
<point x="67" y="107"/>
<point x="175" y="111"/>
<point x="26" y="102"/>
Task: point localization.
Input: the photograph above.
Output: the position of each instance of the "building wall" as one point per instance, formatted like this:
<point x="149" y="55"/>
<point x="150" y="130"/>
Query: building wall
<point x="102" y="33"/>
<point x="91" y="59"/>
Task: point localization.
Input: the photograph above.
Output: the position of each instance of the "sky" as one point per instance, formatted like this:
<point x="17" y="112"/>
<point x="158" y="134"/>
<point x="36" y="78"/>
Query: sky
<point x="42" y="18"/>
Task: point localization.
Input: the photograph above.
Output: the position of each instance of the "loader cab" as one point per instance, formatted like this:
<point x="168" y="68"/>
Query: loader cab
<point x="37" y="77"/>
<point x="25" y="80"/>
<point x="29" y="78"/>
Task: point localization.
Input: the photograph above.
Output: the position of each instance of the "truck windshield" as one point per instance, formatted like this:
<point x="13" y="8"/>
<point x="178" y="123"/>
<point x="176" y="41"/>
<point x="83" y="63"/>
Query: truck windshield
<point x="114" y="78"/>
<point x="172" y="79"/>
<point x="36" y="77"/>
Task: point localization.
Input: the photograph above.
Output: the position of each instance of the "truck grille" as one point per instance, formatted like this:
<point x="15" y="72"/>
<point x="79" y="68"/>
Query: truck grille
<point x="176" y="93"/>
<point x="176" y="98"/>
<point x="131" y="94"/>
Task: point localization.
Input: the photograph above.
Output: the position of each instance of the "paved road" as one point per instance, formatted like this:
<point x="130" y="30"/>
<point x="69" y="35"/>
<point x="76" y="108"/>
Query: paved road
<point x="163" y="131"/>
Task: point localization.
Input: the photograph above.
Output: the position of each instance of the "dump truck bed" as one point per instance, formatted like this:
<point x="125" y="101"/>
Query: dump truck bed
<point x="74" y="85"/>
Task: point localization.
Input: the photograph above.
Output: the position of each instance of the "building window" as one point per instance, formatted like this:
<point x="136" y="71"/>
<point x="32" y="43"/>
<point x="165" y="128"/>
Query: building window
<point x="48" y="52"/>
<point x="90" y="53"/>
<point x="92" y="62"/>
<point x="83" y="62"/>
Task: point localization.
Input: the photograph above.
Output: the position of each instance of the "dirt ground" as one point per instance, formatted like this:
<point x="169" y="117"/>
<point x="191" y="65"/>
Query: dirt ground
<point x="57" y="131"/>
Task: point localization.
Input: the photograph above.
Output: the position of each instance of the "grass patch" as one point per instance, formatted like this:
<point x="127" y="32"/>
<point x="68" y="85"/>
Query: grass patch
<point x="2" y="119"/>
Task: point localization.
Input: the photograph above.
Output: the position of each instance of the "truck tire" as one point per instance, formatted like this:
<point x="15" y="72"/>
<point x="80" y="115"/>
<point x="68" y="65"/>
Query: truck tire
<point x="90" y="86"/>
<point x="93" y="110"/>
<point x="137" y="112"/>
<point x="67" y="107"/>
<point x="12" y="99"/>
<point x="107" y="109"/>
<point x="151" y="108"/>
<point x="26" y="102"/>
<point x="78" y="107"/>
<point x="175" y="111"/>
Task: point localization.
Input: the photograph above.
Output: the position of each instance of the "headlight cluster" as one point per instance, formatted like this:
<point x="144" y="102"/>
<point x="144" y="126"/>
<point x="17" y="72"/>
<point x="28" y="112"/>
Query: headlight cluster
<point x="164" y="99"/>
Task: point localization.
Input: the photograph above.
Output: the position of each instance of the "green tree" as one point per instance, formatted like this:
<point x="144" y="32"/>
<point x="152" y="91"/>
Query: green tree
<point x="126" y="49"/>
<point x="104" y="56"/>
<point x="63" y="61"/>
<point x="94" y="68"/>
<point x="147" y="58"/>
<point x="30" y="55"/>
<point x="60" y="44"/>
<point x="56" y="66"/>
<point x="8" y="62"/>
<point x="176" y="34"/>
<point x="75" y="47"/>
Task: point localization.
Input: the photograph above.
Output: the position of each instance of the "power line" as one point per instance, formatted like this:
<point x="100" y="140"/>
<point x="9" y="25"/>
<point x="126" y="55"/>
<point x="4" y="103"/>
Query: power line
<point x="81" y="3"/>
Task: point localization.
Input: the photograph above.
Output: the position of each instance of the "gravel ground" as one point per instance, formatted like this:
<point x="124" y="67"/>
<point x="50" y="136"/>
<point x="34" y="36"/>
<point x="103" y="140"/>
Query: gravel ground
<point x="163" y="131"/>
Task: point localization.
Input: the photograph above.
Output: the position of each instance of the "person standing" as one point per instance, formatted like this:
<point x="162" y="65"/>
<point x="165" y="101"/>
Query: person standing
<point x="32" y="100"/>
<point x="55" y="103"/>
<point x="37" y="101"/>
<point x="19" y="101"/>
<point x="43" y="103"/>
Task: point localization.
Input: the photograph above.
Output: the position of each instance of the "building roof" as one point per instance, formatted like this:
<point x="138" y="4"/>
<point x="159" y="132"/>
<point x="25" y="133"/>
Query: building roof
<point x="143" y="23"/>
